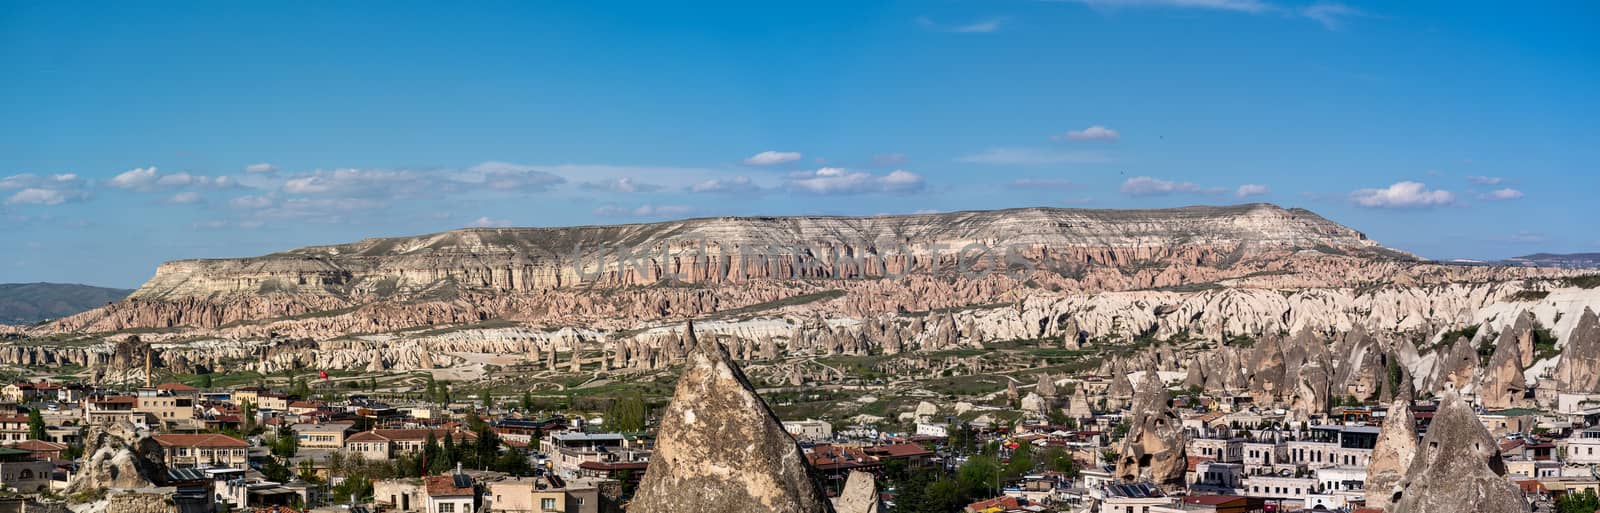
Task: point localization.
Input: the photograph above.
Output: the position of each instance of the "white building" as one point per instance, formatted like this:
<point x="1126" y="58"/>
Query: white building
<point x="930" y="429"/>
<point x="1581" y="447"/>
<point x="809" y="430"/>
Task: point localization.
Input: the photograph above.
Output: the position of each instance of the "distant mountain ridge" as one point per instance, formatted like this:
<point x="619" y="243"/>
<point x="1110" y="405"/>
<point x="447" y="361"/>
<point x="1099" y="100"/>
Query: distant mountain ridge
<point x="27" y="303"/>
<point x="532" y="259"/>
<point x="1568" y="260"/>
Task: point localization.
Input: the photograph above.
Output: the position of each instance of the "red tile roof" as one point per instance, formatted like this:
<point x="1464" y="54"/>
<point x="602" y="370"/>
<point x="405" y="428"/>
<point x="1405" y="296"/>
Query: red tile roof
<point x="997" y="502"/>
<point x="899" y="450"/>
<point x="1212" y="500"/>
<point x="39" y="446"/>
<point x="445" y="486"/>
<point x="387" y="435"/>
<point x="176" y="387"/>
<point x="199" y="440"/>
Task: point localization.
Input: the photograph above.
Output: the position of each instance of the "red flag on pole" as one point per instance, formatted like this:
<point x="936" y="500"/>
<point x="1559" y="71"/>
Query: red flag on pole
<point x="323" y="374"/>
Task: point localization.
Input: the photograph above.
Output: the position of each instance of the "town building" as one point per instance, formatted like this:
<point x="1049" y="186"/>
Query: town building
<point x="207" y="449"/>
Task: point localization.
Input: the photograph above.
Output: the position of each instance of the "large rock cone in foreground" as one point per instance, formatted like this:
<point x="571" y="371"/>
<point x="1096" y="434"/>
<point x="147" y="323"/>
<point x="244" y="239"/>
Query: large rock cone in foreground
<point x="721" y="450"/>
<point x="1397" y="446"/>
<point x="1458" y="468"/>
<point x="1154" y="449"/>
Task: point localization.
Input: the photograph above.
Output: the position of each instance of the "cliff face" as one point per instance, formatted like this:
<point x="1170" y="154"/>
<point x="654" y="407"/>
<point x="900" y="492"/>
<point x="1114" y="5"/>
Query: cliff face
<point x="735" y="249"/>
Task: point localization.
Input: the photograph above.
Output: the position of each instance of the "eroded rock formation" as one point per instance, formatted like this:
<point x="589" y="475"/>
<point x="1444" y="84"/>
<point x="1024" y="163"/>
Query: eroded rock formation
<point x="860" y="494"/>
<point x="1391" y="457"/>
<point x="1458" y="467"/>
<point x="720" y="449"/>
<point x="119" y="456"/>
<point x="1154" y="449"/>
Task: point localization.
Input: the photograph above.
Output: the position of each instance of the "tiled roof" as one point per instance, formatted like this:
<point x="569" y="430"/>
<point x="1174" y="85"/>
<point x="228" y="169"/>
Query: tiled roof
<point x="199" y="440"/>
<point x="446" y="486"/>
<point x="1004" y="503"/>
<point x="39" y="446"/>
<point x="386" y="435"/>
<point x="176" y="387"/>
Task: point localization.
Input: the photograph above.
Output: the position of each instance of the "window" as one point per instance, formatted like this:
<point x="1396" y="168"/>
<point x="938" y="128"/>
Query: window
<point x="447" y="507"/>
<point x="547" y="504"/>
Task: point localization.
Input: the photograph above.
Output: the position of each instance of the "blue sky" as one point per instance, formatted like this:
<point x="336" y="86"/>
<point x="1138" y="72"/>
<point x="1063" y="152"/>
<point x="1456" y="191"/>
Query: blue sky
<point x="133" y="133"/>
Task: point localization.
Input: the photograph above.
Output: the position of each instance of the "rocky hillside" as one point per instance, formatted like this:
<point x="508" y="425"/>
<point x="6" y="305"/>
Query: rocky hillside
<point x="616" y="277"/>
<point x="27" y="303"/>
<point x="734" y="249"/>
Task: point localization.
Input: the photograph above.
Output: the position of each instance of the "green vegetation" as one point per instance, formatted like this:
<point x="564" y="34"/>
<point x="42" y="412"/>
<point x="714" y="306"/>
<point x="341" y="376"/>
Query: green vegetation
<point x="1585" y="502"/>
<point x="627" y="414"/>
<point x="229" y="380"/>
<point x="1544" y="344"/>
<point x="1587" y="281"/>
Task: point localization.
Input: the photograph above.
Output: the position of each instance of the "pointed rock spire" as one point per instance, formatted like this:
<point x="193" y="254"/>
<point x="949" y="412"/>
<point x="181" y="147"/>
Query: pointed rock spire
<point x="1457" y="467"/>
<point x="860" y="494"/>
<point x="1397" y="445"/>
<point x="719" y="448"/>
<point x="1154" y="449"/>
<point x="1579" y="371"/>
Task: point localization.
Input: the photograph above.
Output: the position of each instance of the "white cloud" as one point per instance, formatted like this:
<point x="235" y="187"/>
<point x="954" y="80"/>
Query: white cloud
<point x="1147" y="186"/>
<point x="1407" y="194"/>
<point x="184" y="198"/>
<point x="260" y="168"/>
<point x="833" y="180"/>
<point x="148" y="179"/>
<point x="1331" y="15"/>
<point x="506" y="176"/>
<point x="1485" y="180"/>
<point x="1501" y="194"/>
<point x="251" y="202"/>
<point x="734" y="185"/>
<point x="1031" y="157"/>
<point x="1526" y="236"/>
<point x="644" y="211"/>
<point x="38" y="196"/>
<point x="1041" y="183"/>
<point x="978" y="27"/>
<point x="771" y="158"/>
<point x="26" y="180"/>
<point x="223" y="224"/>
<point x="1249" y="6"/>
<point x="136" y="178"/>
<point x="1250" y="189"/>
<point x="1093" y="133"/>
<point x="486" y="222"/>
<point x="623" y="185"/>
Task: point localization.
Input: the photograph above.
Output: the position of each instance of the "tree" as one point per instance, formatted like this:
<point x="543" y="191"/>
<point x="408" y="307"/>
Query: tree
<point x="527" y="402"/>
<point x="1020" y="464"/>
<point x="488" y="399"/>
<point x="274" y="470"/>
<point x="1585" y="502"/>
<point x="286" y="444"/>
<point x="353" y="489"/>
<point x="35" y="425"/>
<point x="247" y="410"/>
<point x="979" y="476"/>
<point x="627" y="414"/>
<point x="205" y="380"/>
<point x="514" y="463"/>
<point x="308" y="472"/>
<point x="1059" y="460"/>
